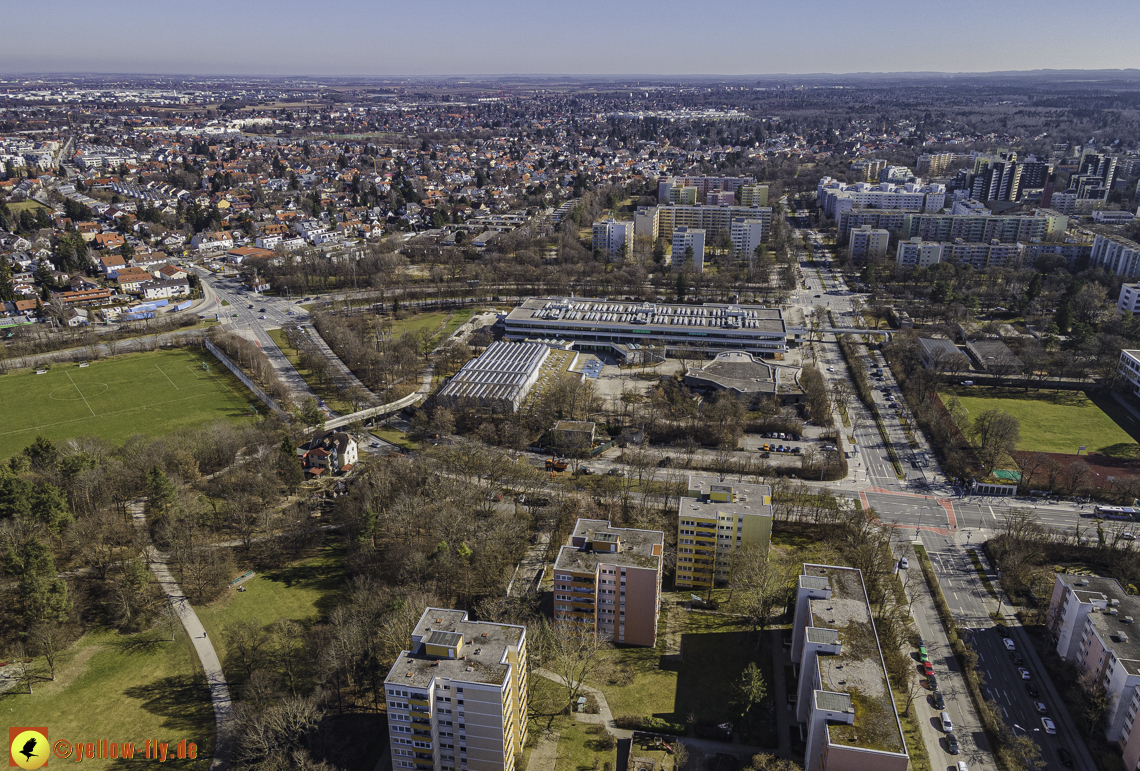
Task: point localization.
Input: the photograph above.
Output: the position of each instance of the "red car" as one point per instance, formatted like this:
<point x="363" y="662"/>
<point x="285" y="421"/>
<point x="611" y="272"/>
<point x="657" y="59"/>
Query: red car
<point x="927" y="668"/>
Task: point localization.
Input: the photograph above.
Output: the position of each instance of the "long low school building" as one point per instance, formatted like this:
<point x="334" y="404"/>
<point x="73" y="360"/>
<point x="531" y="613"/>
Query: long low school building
<point x="600" y="324"/>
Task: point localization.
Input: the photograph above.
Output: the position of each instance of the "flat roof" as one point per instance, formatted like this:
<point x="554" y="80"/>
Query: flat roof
<point x="858" y="670"/>
<point x="738" y="371"/>
<point x="746" y="498"/>
<point x="503" y="371"/>
<point x="587" y="313"/>
<point x="485" y="650"/>
<point x="636" y="547"/>
<point x="1119" y="635"/>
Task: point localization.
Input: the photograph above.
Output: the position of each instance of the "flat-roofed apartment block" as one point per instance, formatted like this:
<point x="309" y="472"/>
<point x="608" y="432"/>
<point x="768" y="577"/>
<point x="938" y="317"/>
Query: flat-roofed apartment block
<point x="1092" y="621"/>
<point x="844" y="700"/>
<point x="601" y="324"/>
<point x="714" y="520"/>
<point x="498" y="380"/>
<point x="458" y="698"/>
<point x="609" y="579"/>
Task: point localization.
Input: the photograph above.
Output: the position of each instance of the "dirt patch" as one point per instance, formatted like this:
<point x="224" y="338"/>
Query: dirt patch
<point x="1101" y="468"/>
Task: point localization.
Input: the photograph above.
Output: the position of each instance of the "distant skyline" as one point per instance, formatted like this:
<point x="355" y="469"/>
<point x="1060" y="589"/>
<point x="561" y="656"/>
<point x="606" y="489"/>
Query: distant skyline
<point x="664" y="37"/>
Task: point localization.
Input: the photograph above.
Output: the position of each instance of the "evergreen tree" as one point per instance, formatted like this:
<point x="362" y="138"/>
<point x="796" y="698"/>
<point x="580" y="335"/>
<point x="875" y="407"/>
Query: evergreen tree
<point x="49" y="506"/>
<point x="43" y="594"/>
<point x="160" y="491"/>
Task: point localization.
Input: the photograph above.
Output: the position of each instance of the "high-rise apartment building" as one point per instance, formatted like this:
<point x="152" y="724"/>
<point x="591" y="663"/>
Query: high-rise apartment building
<point x="996" y="179"/>
<point x="614" y="237"/>
<point x="754" y="195"/>
<point x="835" y="196"/>
<point x="746" y="235"/>
<point x="609" y="579"/>
<point x="684" y="195"/>
<point x="916" y="253"/>
<point x="844" y="702"/>
<point x="703" y="185"/>
<point x="1120" y="255"/>
<point x="867" y="241"/>
<point x="689" y="247"/>
<point x="720" y="198"/>
<point x="457" y="698"/>
<point x="660" y="221"/>
<point x="1042" y="225"/>
<point x="714" y="520"/>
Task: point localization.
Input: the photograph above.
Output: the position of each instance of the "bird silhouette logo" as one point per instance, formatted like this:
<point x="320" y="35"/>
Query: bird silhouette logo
<point x="28" y="747"/>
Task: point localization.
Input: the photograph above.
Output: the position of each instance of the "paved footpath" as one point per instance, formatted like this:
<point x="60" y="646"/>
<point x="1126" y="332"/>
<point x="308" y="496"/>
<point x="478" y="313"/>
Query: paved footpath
<point x="203" y="646"/>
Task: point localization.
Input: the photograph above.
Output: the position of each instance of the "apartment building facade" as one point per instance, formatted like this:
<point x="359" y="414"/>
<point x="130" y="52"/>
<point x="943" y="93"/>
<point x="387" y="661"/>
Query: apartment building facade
<point x="613" y="237"/>
<point x="714" y="520"/>
<point x="608" y="579"/>
<point x="1120" y="255"/>
<point x="746" y="236"/>
<point x="867" y="241"/>
<point x="688" y="248"/>
<point x="978" y="228"/>
<point x="1091" y="620"/>
<point x="835" y="196"/>
<point x="916" y="253"/>
<point x="1128" y="369"/>
<point x="660" y="221"/>
<point x="1129" y="298"/>
<point x="839" y="678"/>
<point x="457" y="698"/>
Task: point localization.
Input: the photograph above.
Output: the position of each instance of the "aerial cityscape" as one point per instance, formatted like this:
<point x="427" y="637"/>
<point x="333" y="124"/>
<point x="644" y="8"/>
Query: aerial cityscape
<point x="385" y="393"/>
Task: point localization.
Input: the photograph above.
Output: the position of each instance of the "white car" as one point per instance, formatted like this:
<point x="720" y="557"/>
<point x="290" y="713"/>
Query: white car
<point x="1049" y="727"/>
<point x="962" y="766"/>
<point x="904" y="564"/>
<point x="1009" y="646"/>
<point x="1024" y="673"/>
<point x="1040" y="707"/>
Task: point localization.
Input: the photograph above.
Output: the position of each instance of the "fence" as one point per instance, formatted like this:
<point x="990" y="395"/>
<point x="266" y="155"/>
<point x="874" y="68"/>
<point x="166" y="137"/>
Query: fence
<point x="268" y="402"/>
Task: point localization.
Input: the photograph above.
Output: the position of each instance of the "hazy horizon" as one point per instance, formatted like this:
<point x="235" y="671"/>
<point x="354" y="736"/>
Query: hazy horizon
<point x="664" y="39"/>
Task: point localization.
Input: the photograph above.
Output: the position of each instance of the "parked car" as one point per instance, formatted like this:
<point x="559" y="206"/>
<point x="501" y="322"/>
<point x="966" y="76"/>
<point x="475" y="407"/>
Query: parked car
<point x="952" y="744"/>
<point x="1009" y="646"/>
<point x="1024" y="673"/>
<point x="1065" y="757"/>
<point x="904" y="563"/>
<point x="923" y="655"/>
<point x="615" y="472"/>
<point x="932" y="681"/>
<point x="1032" y="691"/>
<point x="1040" y="707"/>
<point x="962" y="766"/>
<point x="1018" y="660"/>
<point x="938" y="700"/>
<point x="1050" y="727"/>
<point x="944" y="718"/>
<point x="927" y="668"/>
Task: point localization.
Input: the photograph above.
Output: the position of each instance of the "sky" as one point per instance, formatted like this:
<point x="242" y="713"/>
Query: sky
<point x="588" y="37"/>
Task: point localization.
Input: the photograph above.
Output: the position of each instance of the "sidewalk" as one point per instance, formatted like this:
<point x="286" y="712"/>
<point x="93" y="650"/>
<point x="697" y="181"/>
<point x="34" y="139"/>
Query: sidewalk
<point x="203" y="647"/>
<point x="968" y="726"/>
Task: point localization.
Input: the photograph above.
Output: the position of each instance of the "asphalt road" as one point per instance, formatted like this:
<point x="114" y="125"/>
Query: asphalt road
<point x="971" y="605"/>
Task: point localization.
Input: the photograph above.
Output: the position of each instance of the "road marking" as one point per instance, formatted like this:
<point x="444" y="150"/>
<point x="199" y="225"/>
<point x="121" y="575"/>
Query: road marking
<point x="81" y="396"/>
<point x="1003" y="709"/>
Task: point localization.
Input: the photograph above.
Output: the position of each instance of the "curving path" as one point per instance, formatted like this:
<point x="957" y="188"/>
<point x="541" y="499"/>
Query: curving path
<point x="203" y="647"/>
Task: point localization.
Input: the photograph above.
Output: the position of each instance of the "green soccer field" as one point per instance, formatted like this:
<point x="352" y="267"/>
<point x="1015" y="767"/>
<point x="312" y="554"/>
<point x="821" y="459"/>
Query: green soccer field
<point x="1055" y="422"/>
<point x="151" y="393"/>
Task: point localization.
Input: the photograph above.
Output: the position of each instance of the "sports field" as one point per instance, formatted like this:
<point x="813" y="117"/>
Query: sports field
<point x="150" y="393"/>
<point x="1055" y="422"/>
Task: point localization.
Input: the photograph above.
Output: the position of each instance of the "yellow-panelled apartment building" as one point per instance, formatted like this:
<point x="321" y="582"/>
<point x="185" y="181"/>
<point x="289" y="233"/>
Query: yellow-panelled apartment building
<point x="458" y="698"/>
<point x="713" y="520"/>
<point x="609" y="578"/>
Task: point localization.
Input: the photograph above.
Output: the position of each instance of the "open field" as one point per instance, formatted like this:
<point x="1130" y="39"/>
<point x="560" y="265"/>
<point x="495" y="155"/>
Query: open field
<point x="1050" y="422"/>
<point x="431" y="322"/>
<point x="122" y="688"/>
<point x="17" y="207"/>
<point x="716" y="650"/>
<point x="150" y="393"/>
<point x="301" y="592"/>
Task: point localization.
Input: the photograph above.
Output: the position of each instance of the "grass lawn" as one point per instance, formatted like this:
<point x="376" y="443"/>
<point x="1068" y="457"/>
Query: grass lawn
<point x="716" y="650"/>
<point x="431" y="322"/>
<point x="123" y="689"/>
<point x="392" y="436"/>
<point x="302" y="592"/>
<point x="150" y="393"/>
<point x="326" y="392"/>
<point x="1050" y="422"/>
<point x="17" y="207"/>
